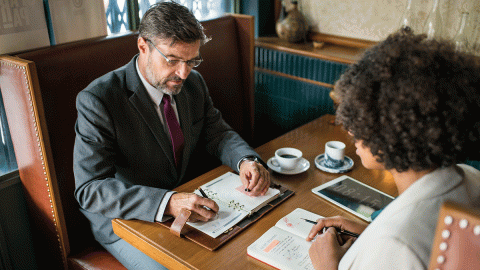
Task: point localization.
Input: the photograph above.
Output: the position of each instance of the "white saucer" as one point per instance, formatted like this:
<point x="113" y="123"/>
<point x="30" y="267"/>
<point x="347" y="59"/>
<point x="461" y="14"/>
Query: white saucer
<point x="320" y="163"/>
<point x="302" y="166"/>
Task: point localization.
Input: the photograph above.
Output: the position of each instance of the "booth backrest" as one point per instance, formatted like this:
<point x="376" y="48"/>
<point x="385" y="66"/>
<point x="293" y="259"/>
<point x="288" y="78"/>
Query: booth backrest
<point x="39" y="88"/>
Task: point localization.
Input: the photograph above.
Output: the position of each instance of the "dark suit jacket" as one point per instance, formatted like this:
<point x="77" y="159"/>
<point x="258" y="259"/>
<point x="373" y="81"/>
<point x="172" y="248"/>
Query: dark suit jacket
<point x="123" y="159"/>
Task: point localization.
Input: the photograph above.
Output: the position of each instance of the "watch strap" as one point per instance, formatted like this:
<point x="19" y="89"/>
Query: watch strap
<point x="251" y="158"/>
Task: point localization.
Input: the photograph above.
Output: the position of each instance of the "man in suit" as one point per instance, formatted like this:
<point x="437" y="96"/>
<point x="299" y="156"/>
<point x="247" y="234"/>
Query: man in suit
<point x="138" y="126"/>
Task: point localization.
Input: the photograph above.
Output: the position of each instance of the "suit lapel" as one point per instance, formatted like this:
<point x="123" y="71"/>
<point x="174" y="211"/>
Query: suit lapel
<point x="145" y="107"/>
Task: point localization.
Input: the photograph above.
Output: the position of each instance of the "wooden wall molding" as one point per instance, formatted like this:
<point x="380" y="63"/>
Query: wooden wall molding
<point x="276" y="73"/>
<point x="342" y="41"/>
<point x="330" y="52"/>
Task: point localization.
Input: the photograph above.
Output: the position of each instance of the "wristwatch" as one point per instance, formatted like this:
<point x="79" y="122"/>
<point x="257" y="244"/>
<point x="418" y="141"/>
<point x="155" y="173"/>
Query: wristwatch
<point x="250" y="158"/>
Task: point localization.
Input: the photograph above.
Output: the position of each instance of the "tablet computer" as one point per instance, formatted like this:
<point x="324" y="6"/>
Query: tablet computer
<point x="353" y="196"/>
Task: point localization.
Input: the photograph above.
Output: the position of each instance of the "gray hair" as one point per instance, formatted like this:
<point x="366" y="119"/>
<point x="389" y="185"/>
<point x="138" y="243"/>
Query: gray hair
<point x="169" y="20"/>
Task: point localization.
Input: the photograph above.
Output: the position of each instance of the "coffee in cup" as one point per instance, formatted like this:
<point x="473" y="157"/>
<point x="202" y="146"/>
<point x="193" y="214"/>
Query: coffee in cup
<point x="334" y="154"/>
<point x="287" y="158"/>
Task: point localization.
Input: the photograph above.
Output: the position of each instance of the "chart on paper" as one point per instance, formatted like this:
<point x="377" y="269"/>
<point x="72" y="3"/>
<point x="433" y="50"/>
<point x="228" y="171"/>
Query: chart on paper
<point x="225" y="218"/>
<point x="282" y="250"/>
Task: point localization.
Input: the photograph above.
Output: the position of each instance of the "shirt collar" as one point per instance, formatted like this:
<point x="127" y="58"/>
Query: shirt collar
<point x="429" y="186"/>
<point x="153" y="93"/>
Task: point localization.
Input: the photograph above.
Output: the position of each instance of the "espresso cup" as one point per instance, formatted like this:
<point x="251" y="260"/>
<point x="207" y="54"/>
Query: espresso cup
<point x="287" y="158"/>
<point x="334" y="154"/>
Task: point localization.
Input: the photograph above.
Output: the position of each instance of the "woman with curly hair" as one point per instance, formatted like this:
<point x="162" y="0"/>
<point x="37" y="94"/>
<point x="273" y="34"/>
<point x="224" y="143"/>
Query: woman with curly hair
<point x="412" y="106"/>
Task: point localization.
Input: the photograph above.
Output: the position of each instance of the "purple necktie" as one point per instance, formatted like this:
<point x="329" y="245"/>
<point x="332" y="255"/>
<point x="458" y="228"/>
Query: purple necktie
<point x="176" y="134"/>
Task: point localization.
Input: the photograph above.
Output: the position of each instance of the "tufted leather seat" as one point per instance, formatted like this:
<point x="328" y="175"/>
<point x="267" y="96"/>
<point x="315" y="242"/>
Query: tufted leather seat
<point x="457" y="238"/>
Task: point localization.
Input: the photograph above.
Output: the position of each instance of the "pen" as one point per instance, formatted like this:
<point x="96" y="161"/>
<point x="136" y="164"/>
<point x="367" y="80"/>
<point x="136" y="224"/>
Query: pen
<point x="340" y="232"/>
<point x="205" y="196"/>
<point x="203" y="193"/>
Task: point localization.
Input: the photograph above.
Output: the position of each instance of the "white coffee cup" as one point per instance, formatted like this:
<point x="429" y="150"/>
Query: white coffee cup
<point x="334" y="154"/>
<point x="287" y="158"/>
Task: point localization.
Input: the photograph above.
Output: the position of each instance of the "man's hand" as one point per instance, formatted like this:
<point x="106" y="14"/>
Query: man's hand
<point x="326" y="251"/>
<point x="255" y="178"/>
<point x="196" y="204"/>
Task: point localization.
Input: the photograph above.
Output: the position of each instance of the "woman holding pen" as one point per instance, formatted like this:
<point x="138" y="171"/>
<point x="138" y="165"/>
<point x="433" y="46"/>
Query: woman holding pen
<point x="411" y="106"/>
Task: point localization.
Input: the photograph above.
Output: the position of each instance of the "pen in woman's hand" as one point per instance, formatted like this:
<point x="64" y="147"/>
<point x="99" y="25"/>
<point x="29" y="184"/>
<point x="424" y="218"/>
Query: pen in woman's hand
<point x="340" y="232"/>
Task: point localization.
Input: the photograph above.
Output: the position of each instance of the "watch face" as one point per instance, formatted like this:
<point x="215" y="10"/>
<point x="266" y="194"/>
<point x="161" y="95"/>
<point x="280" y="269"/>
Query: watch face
<point x="253" y="158"/>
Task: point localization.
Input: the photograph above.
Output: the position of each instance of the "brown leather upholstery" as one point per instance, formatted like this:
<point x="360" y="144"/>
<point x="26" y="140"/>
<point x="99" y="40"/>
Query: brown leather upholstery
<point x="39" y="90"/>
<point x="228" y="69"/>
<point x="94" y="259"/>
<point x="457" y="238"/>
<point x="63" y="71"/>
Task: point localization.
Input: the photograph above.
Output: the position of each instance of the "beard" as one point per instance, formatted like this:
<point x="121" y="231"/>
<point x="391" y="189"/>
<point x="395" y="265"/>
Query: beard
<point x="161" y="83"/>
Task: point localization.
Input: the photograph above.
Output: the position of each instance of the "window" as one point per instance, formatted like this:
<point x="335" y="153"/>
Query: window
<point x="7" y="155"/>
<point x="119" y="18"/>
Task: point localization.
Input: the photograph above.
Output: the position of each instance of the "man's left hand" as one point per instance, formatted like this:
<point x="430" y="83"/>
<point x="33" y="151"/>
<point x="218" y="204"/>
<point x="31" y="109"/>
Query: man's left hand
<point x="255" y="178"/>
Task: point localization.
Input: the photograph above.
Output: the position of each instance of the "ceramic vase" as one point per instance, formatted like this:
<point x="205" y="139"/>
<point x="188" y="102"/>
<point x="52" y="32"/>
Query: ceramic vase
<point x="293" y="27"/>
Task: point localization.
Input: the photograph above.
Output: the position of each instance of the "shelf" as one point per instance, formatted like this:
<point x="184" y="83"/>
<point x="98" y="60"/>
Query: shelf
<point x="330" y="52"/>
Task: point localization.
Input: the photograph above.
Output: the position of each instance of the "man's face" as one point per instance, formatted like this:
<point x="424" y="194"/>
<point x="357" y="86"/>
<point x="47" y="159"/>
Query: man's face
<point x="166" y="77"/>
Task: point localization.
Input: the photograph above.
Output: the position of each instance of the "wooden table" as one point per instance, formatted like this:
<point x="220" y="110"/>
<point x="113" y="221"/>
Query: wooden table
<point x="180" y="253"/>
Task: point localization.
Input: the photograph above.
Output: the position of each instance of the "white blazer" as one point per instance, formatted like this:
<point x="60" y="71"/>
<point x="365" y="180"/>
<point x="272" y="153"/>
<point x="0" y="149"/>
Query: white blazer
<point x="402" y="235"/>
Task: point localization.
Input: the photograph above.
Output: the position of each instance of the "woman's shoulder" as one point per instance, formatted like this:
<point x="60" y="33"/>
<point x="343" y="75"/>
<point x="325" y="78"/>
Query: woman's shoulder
<point x="472" y="182"/>
<point x="470" y="171"/>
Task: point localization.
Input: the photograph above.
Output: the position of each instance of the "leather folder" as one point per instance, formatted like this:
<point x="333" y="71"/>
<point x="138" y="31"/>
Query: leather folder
<point x="180" y="228"/>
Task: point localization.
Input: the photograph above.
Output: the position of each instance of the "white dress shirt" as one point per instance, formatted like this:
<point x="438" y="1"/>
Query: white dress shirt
<point x="157" y="97"/>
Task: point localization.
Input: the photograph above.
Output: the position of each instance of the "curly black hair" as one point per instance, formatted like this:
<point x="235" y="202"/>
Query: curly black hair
<point x="414" y="102"/>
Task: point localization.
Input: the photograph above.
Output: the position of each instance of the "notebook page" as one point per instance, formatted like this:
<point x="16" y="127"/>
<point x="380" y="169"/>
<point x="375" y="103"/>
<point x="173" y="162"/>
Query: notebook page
<point x="226" y="218"/>
<point x="294" y="223"/>
<point x="282" y="250"/>
<point x="229" y="189"/>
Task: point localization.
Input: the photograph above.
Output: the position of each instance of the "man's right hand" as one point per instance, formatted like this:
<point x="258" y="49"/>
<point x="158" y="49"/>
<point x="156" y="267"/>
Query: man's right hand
<point x="196" y="204"/>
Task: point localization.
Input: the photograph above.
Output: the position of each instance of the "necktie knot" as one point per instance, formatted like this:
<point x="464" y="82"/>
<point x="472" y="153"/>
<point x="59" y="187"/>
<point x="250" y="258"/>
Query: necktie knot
<point x="166" y="100"/>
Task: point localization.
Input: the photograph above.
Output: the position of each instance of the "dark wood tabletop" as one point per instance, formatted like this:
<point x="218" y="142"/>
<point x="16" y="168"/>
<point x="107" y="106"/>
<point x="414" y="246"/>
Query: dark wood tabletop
<point x="180" y="253"/>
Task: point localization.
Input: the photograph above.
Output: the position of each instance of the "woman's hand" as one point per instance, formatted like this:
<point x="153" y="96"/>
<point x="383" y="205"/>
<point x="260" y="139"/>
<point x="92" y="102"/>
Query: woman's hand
<point x="340" y="223"/>
<point x="326" y="251"/>
<point x="329" y="246"/>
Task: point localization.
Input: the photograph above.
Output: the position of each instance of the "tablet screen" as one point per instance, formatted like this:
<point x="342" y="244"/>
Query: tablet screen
<point x="354" y="196"/>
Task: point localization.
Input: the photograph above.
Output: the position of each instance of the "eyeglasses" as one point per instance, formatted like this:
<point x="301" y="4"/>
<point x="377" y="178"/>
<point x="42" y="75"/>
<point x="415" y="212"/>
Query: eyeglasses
<point x="191" y="63"/>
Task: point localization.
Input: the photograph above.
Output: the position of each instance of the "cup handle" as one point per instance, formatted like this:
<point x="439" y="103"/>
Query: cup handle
<point x="275" y="162"/>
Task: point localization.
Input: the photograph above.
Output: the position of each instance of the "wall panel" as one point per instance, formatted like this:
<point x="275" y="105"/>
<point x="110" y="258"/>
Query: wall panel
<point x="287" y="94"/>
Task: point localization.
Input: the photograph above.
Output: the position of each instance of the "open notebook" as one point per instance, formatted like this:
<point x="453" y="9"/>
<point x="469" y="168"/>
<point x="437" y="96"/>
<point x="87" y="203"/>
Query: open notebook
<point x="237" y="210"/>
<point x="284" y="245"/>
<point x="234" y="203"/>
